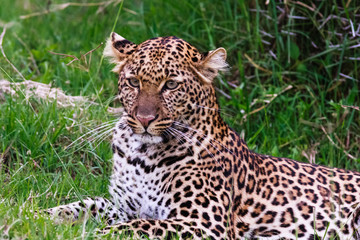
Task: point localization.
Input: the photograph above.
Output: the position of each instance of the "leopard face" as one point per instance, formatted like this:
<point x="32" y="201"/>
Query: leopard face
<point x="162" y="81"/>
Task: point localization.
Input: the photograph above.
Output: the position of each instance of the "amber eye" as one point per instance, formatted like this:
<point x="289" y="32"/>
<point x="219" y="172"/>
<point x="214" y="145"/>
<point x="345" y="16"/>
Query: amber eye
<point x="134" y="82"/>
<point x="171" y="84"/>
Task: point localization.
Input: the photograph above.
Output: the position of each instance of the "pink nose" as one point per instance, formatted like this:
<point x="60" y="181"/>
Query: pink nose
<point x="145" y="120"/>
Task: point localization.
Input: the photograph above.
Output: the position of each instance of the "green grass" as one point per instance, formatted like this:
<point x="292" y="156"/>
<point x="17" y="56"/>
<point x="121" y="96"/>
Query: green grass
<point x="314" y="57"/>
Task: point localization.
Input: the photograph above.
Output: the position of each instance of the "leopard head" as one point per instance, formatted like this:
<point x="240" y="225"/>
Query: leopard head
<point x="163" y="80"/>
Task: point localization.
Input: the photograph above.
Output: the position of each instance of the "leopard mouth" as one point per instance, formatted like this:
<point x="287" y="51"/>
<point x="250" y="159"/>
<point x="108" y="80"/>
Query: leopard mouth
<point x="155" y="128"/>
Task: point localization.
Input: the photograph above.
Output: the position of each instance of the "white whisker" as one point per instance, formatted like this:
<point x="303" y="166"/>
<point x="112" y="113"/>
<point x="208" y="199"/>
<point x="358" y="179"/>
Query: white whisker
<point x="105" y="135"/>
<point x="212" y="109"/>
<point x="203" y="135"/>
<point x="90" y="133"/>
<point x="201" y="144"/>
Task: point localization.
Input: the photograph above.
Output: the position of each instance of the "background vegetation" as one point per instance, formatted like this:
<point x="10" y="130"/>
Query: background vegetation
<point x="292" y="91"/>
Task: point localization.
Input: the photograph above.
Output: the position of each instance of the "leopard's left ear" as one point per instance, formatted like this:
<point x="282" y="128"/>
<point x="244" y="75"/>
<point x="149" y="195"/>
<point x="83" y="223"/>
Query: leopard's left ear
<point x="118" y="49"/>
<point x="210" y="64"/>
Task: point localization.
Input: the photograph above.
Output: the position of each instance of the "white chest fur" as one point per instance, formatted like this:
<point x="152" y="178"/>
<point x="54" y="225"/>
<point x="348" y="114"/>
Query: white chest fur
<point x="135" y="184"/>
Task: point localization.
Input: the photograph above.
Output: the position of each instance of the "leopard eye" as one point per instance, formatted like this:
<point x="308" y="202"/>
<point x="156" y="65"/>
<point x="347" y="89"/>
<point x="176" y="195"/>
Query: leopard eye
<point x="134" y="82"/>
<point x="171" y="84"/>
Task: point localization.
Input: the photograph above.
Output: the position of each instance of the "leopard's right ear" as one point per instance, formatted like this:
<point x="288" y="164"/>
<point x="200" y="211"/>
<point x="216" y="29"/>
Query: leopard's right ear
<point x="118" y="49"/>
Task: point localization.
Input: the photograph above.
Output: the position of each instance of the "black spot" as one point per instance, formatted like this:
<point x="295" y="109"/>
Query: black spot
<point x="217" y="218"/>
<point x="206" y="216"/>
<point x="184" y="213"/>
<point x="186" y="204"/>
<point x="220" y="228"/>
<point x="173" y="159"/>
<point x="186" y="235"/>
<point x="145" y="226"/>
<point x="178" y="183"/>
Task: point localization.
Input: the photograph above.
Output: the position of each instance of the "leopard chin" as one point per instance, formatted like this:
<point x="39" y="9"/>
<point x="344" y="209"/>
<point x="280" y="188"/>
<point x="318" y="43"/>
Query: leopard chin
<point x="148" y="138"/>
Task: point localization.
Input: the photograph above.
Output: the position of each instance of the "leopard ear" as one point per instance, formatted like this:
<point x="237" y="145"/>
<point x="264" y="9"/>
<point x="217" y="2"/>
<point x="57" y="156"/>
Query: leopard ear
<point x="210" y="64"/>
<point x="117" y="49"/>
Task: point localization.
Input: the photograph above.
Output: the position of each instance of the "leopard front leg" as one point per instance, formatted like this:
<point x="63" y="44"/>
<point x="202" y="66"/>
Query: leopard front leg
<point x="99" y="208"/>
<point x="160" y="229"/>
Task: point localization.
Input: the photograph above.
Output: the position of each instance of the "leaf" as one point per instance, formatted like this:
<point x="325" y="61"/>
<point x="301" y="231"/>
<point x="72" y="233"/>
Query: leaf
<point x="301" y="68"/>
<point x="294" y="50"/>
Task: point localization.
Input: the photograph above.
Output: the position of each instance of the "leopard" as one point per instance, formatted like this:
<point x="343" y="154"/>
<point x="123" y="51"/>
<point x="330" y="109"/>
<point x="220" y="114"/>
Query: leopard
<point x="180" y="171"/>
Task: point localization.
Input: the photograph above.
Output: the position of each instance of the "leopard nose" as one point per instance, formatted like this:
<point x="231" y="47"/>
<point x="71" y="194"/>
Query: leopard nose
<point x="145" y="120"/>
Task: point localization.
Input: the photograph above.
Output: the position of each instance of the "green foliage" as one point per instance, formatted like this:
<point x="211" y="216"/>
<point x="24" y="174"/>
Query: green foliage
<point x="292" y="89"/>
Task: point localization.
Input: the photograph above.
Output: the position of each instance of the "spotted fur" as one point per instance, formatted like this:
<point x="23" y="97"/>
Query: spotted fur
<point x="180" y="170"/>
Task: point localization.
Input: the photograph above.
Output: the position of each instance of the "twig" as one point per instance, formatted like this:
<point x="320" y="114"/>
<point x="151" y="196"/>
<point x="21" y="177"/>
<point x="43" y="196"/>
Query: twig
<point x="333" y="143"/>
<point x="339" y="141"/>
<point x="2" y="155"/>
<point x="308" y="7"/>
<point x="291" y="141"/>
<point x="347" y="4"/>
<point x="353" y="107"/>
<point x="223" y="93"/>
<point x="311" y="124"/>
<point x="310" y="153"/>
<point x="66" y="55"/>
<point x="60" y="7"/>
<point x="82" y="57"/>
<point x="332" y="16"/>
<point x="348" y="77"/>
<point x="256" y="65"/>
<point x="353" y="58"/>
<point x="267" y="102"/>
